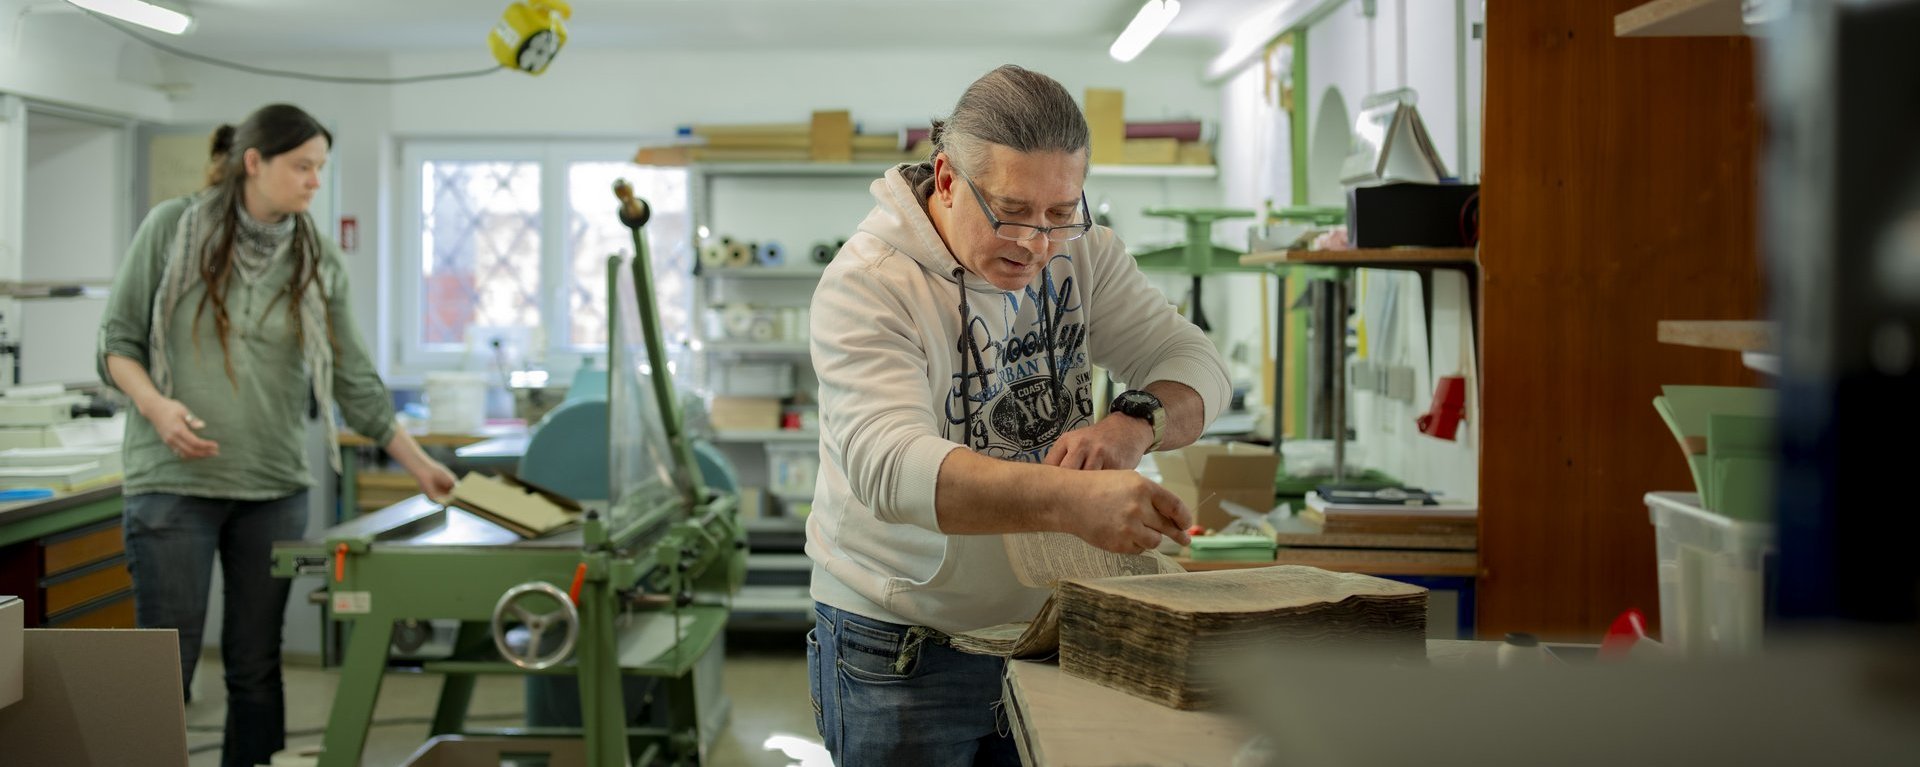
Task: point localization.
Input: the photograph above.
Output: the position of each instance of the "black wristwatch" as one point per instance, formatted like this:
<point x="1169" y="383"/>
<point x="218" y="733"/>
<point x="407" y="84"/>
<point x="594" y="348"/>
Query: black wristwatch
<point x="1146" y="407"/>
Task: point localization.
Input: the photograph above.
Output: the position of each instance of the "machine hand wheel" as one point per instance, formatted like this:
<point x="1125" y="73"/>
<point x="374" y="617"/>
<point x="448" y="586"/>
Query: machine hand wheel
<point x="512" y="609"/>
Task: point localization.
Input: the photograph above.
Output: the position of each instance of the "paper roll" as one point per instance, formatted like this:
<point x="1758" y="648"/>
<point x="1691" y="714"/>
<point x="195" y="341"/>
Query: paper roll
<point x="762" y="329"/>
<point x="770" y="253"/>
<point x="738" y="320"/>
<point x="713" y="255"/>
<point x="739" y="255"/>
<point x="822" y="252"/>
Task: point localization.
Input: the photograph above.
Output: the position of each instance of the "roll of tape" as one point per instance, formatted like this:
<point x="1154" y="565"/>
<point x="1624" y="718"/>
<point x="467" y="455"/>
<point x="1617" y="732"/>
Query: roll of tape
<point x="739" y="254"/>
<point x="822" y="252"/>
<point x="770" y="253"/>
<point x="738" y="320"/>
<point x="761" y="330"/>
<point x="713" y="255"/>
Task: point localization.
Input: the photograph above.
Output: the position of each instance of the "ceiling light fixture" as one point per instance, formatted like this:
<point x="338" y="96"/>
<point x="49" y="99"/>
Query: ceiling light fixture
<point x="145" y="14"/>
<point x="1146" y="25"/>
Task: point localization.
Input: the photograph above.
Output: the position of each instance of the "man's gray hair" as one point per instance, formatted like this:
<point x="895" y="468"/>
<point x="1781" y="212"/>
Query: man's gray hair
<point x="1014" y="107"/>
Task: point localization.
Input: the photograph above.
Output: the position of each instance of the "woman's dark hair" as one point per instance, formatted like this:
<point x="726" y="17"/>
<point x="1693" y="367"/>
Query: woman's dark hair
<point x="271" y="130"/>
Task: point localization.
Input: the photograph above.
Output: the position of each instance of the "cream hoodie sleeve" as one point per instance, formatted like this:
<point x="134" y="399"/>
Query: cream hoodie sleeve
<point x="1137" y="333"/>
<point x="877" y="417"/>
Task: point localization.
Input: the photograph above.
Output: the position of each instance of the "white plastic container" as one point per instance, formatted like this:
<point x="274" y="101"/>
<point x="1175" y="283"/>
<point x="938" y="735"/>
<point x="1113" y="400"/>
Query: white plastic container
<point x="456" y="402"/>
<point x="1712" y="576"/>
<point x="754" y="379"/>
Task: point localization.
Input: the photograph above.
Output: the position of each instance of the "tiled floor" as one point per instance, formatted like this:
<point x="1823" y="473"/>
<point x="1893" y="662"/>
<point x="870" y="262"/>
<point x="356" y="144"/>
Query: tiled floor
<point x="765" y="678"/>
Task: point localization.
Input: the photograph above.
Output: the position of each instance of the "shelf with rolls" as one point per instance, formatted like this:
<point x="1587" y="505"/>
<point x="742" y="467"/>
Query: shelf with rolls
<point x="767" y="234"/>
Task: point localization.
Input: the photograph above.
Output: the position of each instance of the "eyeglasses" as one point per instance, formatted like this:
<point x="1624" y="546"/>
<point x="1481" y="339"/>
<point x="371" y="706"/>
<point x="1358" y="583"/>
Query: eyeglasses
<point x="1025" y="232"/>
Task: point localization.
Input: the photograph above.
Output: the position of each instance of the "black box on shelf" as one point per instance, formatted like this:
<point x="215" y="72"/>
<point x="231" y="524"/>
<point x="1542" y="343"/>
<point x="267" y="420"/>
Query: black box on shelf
<point x="1404" y="214"/>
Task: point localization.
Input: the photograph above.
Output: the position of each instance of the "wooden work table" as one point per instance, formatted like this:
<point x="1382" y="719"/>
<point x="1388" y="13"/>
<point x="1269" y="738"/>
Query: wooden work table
<point x="1060" y="719"/>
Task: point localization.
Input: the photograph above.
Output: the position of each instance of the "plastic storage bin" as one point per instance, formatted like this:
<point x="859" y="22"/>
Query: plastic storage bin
<point x="1713" y="572"/>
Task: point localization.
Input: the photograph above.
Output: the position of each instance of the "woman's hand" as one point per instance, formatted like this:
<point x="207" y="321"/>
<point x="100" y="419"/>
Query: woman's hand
<point x="435" y="480"/>
<point x="176" y="426"/>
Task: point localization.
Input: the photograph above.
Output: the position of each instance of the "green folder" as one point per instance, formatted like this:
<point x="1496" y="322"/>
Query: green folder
<point x="1689" y="412"/>
<point x="1741" y="451"/>
<point x="1232" y="548"/>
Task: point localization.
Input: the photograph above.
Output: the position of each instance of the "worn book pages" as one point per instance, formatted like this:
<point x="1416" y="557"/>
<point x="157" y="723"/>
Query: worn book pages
<point x="1041" y="560"/>
<point x="1174" y="639"/>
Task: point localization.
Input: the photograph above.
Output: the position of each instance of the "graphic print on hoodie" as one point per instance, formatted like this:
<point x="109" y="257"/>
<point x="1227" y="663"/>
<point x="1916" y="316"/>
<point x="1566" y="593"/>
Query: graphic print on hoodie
<point x="1023" y="378"/>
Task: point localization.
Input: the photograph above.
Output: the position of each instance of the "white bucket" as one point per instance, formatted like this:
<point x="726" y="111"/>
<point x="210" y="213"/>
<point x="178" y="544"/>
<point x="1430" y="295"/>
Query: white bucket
<point x="456" y="402"/>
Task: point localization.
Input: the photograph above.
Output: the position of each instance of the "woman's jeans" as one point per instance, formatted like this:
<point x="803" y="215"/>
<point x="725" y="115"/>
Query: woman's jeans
<point x="171" y="543"/>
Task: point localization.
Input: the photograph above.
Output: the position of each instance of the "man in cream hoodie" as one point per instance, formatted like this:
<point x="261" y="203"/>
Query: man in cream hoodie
<point x="954" y="336"/>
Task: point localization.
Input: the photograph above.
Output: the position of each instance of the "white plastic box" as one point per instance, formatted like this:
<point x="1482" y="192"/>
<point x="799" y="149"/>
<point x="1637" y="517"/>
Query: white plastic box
<point x="1712" y="576"/>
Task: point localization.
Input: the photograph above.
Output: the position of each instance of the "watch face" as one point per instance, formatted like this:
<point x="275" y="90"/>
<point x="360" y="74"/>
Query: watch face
<point x="1136" y="403"/>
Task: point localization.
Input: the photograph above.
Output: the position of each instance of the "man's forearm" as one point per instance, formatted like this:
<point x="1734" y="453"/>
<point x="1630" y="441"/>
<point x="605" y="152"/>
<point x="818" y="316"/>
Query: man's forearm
<point x="1186" y="413"/>
<point x="979" y="495"/>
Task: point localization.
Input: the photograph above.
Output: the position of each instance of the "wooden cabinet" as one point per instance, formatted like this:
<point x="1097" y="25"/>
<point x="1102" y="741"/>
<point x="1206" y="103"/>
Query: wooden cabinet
<point x="65" y="558"/>
<point x="1621" y="188"/>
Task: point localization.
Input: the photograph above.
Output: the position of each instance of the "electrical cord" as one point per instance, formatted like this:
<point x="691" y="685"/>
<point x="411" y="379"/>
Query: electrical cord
<point x="339" y="79"/>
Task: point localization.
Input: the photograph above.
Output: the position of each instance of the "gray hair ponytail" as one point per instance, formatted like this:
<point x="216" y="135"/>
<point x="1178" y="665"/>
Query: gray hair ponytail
<point x="1013" y="107"/>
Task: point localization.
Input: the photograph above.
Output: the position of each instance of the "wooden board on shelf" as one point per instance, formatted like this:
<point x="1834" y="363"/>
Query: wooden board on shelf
<point x="1383" y="562"/>
<point x="1376" y="257"/>
<point x="1681" y="18"/>
<point x="1732" y="335"/>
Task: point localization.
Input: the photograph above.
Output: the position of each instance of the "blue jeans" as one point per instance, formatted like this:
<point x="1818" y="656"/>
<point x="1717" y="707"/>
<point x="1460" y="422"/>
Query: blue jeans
<point x="887" y="694"/>
<point x="171" y="543"/>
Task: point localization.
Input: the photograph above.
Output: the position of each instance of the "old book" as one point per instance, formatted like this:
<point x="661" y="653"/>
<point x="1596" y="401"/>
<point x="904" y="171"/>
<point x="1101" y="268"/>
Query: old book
<point x="1174" y="639"/>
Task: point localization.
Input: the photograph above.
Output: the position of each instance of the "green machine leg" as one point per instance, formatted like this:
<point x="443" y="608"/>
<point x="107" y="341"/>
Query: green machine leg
<point x="360" y="676"/>
<point x="456" y="690"/>
<point x="602" y="708"/>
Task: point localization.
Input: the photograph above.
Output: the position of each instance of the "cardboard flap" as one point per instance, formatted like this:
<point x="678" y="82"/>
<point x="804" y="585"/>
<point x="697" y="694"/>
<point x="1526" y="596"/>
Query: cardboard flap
<point x="526" y="509"/>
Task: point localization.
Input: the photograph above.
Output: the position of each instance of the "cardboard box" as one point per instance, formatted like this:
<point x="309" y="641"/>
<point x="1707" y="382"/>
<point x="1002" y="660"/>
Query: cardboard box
<point x="744" y="413"/>
<point x="1107" y="124"/>
<point x="1151" y="151"/>
<point x="98" y="697"/>
<point x="13" y="621"/>
<point x="832" y="136"/>
<point x="1205" y="475"/>
<point x="513" y="503"/>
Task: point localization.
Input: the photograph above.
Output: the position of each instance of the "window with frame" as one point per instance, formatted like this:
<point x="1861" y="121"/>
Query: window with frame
<point x="505" y="246"/>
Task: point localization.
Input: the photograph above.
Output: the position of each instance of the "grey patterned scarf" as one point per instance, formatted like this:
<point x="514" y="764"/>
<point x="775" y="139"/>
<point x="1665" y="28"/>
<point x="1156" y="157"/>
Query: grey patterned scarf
<point x="256" y="247"/>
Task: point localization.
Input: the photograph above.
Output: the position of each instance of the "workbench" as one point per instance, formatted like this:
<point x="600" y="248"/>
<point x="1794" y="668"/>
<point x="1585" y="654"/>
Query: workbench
<point x="1060" y="719"/>
<point x="64" y="557"/>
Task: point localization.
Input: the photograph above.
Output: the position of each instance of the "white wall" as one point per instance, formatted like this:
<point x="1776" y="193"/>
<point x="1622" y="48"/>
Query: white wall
<point x="58" y="56"/>
<point x="77" y="171"/>
<point x="1406" y="43"/>
<point x="629" y="96"/>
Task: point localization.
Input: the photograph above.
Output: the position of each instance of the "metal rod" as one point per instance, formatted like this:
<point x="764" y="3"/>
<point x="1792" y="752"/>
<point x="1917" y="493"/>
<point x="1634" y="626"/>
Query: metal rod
<point x="1338" y="335"/>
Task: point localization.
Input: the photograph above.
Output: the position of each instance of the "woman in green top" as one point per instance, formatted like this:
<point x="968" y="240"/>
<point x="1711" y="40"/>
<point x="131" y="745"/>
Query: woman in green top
<point x="229" y="329"/>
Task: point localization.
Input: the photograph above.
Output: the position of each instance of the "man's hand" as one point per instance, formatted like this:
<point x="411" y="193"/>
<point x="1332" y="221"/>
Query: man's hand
<point x="1123" y="512"/>
<point x="176" y="427"/>
<point x="1116" y="442"/>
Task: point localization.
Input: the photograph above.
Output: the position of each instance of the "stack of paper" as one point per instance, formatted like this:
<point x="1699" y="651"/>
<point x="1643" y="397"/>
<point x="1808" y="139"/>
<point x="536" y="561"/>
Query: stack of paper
<point x="1165" y="637"/>
<point x="1443" y="518"/>
<point x="1726" y="434"/>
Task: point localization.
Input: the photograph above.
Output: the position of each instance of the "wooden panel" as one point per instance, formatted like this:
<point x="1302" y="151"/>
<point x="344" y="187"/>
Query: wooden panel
<point x="1386" y="257"/>
<point x="61" y="556"/>
<point x="74" y="592"/>
<point x="1681" y="18"/>
<point x="116" y="614"/>
<point x="1621" y="187"/>
<point x="1715" y="334"/>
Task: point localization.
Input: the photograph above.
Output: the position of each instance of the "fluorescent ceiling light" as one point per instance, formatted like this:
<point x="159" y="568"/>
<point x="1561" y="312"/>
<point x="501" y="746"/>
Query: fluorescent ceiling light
<point x="1146" y="25"/>
<point x="145" y="14"/>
